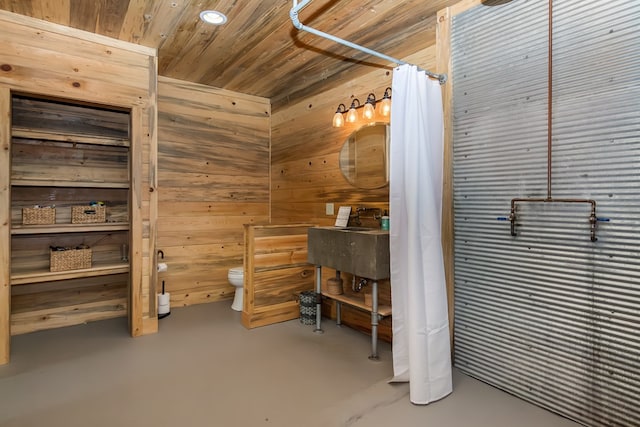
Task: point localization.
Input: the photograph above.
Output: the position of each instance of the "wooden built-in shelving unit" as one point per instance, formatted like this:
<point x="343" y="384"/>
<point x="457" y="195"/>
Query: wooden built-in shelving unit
<point x="67" y="154"/>
<point x="74" y="130"/>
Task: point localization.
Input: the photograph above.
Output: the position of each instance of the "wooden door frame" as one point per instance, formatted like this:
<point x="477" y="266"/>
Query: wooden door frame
<point x="5" y="225"/>
<point x="443" y="66"/>
<point x="138" y="325"/>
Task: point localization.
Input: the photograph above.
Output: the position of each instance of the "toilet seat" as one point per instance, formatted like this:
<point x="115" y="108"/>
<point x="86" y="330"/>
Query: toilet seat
<point x="236" y="271"/>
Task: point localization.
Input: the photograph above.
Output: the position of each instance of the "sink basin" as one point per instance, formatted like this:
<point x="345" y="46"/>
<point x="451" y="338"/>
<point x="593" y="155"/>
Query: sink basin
<point x="358" y="250"/>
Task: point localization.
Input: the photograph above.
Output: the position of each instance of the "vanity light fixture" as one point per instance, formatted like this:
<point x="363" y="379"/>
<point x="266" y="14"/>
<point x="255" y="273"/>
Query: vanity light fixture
<point x="369" y="109"/>
<point x="213" y="17"/>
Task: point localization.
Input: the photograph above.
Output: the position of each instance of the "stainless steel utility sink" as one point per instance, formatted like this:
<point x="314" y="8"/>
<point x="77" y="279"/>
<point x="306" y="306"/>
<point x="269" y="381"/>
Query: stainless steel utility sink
<point x="357" y="250"/>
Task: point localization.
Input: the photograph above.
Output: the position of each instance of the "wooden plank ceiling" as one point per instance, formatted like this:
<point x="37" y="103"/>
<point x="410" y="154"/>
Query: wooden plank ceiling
<point x="258" y="51"/>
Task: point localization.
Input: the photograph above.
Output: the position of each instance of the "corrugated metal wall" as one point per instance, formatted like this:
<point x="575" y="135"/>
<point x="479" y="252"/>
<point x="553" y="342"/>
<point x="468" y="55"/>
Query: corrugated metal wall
<point x="549" y="315"/>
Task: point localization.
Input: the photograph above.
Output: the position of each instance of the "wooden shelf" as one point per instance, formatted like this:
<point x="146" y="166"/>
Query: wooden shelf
<point x="68" y="228"/>
<point x="53" y="183"/>
<point x="22" y="278"/>
<point x="383" y="310"/>
<point x="67" y="306"/>
<point x="21" y="132"/>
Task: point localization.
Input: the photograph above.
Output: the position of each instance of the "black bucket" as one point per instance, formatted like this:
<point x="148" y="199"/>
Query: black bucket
<point x="308" y="308"/>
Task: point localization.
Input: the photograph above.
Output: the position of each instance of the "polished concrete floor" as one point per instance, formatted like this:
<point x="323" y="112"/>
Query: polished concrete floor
<point x="204" y="369"/>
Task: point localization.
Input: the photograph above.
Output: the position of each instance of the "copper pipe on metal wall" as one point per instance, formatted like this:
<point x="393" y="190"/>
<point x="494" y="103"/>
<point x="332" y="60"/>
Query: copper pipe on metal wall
<point x="549" y="98"/>
<point x="593" y="219"/>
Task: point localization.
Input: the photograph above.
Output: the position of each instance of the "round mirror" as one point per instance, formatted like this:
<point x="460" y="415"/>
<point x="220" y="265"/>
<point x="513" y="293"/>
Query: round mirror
<point x="364" y="157"/>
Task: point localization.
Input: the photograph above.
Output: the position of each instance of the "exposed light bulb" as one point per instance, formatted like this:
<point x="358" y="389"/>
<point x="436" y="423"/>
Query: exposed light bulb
<point x="338" y="120"/>
<point x="352" y="115"/>
<point x="385" y="107"/>
<point x="385" y="103"/>
<point x="369" y="112"/>
<point x="369" y="107"/>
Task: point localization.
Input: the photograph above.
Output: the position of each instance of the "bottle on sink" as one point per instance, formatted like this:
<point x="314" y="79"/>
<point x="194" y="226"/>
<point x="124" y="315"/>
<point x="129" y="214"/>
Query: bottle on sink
<point x="384" y="221"/>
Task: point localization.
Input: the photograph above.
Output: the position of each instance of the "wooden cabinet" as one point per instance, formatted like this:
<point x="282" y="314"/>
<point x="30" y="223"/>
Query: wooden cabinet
<point x="67" y="155"/>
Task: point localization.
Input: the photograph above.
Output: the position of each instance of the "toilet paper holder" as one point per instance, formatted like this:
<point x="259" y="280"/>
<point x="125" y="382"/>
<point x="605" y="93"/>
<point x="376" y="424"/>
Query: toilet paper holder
<point x="164" y="305"/>
<point x="161" y="267"/>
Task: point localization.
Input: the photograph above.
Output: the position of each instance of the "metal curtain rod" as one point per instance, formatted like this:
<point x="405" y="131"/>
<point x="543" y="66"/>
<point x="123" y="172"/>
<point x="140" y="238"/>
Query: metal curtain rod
<point x="293" y="14"/>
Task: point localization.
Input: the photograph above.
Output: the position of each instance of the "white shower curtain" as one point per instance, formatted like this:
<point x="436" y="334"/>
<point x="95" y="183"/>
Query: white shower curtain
<point x="421" y="348"/>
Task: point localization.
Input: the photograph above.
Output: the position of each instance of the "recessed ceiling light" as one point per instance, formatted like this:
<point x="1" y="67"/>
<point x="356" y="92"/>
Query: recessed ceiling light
<point x="213" y="17"/>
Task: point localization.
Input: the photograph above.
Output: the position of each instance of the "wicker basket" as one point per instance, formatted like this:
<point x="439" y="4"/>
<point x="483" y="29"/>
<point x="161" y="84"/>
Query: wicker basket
<point x="87" y="214"/>
<point x="70" y="259"/>
<point x="31" y="216"/>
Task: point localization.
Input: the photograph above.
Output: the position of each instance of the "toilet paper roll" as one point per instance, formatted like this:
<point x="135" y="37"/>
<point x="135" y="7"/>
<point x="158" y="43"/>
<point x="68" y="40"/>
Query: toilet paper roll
<point x="162" y="266"/>
<point x="163" y="299"/>
<point x="164" y="305"/>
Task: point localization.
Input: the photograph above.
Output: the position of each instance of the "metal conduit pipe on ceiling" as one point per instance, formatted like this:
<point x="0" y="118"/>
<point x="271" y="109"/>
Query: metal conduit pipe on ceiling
<point x="293" y="14"/>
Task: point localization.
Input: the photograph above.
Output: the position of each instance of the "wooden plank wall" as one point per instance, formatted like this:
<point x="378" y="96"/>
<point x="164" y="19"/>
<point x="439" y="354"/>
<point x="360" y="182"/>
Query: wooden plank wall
<point x="37" y="57"/>
<point x="305" y="171"/>
<point x="213" y="173"/>
<point x="276" y="271"/>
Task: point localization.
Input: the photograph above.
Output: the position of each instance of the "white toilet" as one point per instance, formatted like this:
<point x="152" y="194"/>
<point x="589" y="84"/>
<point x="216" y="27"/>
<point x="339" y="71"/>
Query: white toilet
<point x="236" y="278"/>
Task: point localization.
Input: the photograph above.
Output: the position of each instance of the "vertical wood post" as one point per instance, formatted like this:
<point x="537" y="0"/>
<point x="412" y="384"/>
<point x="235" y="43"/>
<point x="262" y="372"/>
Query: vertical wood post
<point x="5" y="224"/>
<point x="443" y="64"/>
<point x="151" y="321"/>
<point x="135" y="230"/>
